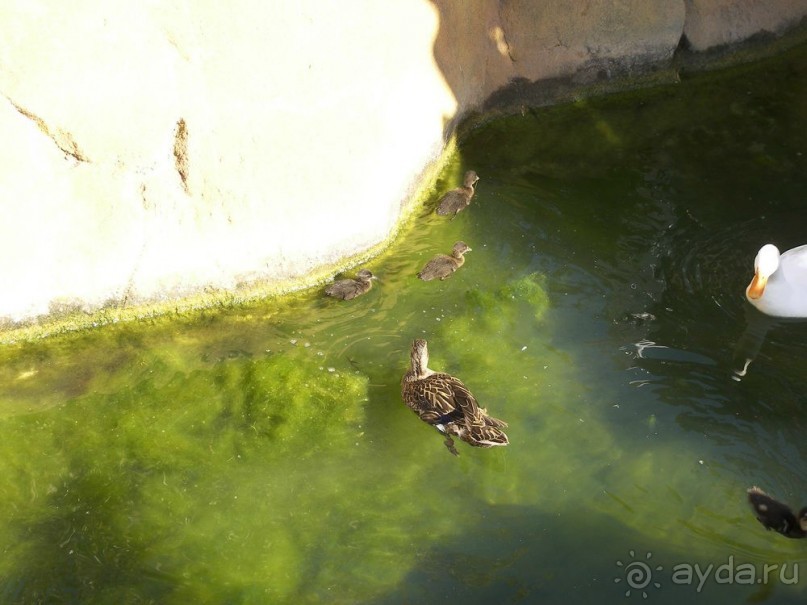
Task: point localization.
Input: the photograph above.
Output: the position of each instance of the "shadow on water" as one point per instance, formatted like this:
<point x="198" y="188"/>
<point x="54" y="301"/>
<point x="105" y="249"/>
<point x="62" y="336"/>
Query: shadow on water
<point x="515" y="554"/>
<point x="650" y="223"/>
<point x="752" y="342"/>
<point x="86" y="550"/>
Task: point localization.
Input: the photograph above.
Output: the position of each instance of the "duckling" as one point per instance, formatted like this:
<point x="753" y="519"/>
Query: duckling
<point x="443" y="265"/>
<point x="458" y="199"/>
<point x="347" y="289"/>
<point x="777" y="516"/>
<point x="444" y="402"/>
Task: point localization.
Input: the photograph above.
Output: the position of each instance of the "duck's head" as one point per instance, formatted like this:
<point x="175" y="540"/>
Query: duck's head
<point x="765" y="264"/>
<point x="365" y="275"/>
<point x="460" y="248"/>
<point x="470" y="179"/>
<point x="420" y="354"/>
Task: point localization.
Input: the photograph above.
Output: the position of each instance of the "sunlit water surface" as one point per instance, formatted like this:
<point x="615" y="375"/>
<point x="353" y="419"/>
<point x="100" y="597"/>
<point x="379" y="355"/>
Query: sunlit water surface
<point x="262" y="454"/>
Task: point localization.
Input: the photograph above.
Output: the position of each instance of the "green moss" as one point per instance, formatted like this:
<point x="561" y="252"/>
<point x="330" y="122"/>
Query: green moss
<point x="242" y="480"/>
<point x="530" y="289"/>
<point x="504" y="308"/>
<point x="173" y="449"/>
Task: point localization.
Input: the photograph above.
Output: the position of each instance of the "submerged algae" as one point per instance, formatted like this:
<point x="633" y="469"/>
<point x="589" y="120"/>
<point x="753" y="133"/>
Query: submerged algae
<point x="104" y="501"/>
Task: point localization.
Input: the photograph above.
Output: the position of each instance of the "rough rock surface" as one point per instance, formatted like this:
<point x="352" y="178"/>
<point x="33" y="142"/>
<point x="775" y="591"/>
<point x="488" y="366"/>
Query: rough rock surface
<point x="712" y="23"/>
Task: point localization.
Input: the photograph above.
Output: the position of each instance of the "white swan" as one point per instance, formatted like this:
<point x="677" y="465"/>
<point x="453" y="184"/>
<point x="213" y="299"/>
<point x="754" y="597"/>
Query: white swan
<point x="779" y="287"/>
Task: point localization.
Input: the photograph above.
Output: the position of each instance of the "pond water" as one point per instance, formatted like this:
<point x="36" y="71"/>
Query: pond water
<point x="262" y="454"/>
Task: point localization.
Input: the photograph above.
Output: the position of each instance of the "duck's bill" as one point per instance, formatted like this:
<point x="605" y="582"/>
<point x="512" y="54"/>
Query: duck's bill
<point x="757" y="286"/>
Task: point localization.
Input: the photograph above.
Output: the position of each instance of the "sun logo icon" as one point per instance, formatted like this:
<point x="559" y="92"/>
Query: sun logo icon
<point x="638" y="575"/>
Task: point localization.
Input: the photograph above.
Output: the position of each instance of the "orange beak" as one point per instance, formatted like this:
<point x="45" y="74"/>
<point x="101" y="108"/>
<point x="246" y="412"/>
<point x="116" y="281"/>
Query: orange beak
<point x="757" y="286"/>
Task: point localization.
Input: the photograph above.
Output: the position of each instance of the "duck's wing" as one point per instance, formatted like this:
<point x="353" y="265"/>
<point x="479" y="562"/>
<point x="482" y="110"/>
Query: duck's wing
<point x="480" y="429"/>
<point x="430" y="397"/>
<point x="353" y="288"/>
<point x="463" y="399"/>
<point x="443" y="400"/>
<point x="495" y="422"/>
<point x="451" y="201"/>
<point x="436" y="267"/>
<point x="441" y="260"/>
<point x="341" y="289"/>
<point x="793" y="265"/>
<point x="435" y="399"/>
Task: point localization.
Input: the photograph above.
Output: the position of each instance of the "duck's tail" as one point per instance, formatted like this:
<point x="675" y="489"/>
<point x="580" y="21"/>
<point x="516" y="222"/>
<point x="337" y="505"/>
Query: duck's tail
<point x="486" y="436"/>
<point x="495" y="422"/>
<point x="491" y="421"/>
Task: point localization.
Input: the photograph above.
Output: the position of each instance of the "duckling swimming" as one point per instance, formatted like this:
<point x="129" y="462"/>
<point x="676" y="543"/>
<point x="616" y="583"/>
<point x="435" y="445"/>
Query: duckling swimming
<point x="443" y="265"/>
<point x="347" y="289"/>
<point x="777" y="516"/>
<point x="446" y="403"/>
<point x="458" y="199"/>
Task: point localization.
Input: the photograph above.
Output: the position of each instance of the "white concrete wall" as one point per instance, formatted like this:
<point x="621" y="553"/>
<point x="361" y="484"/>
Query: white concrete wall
<point x="305" y="125"/>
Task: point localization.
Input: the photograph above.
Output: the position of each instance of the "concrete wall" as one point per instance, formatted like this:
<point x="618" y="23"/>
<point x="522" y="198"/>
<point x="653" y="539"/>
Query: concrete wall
<point x="154" y="150"/>
<point x="712" y="23"/>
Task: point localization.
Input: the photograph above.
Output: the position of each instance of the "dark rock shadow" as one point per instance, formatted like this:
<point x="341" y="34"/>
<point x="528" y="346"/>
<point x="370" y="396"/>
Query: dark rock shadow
<point x="485" y="68"/>
<point x="85" y="552"/>
<point x="516" y="555"/>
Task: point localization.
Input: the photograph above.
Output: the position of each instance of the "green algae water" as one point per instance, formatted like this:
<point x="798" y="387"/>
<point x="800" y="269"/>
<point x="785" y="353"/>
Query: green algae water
<point x="262" y="454"/>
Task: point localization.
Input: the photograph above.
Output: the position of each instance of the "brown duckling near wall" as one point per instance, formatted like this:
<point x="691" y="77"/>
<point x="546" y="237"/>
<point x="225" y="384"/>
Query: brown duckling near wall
<point x="443" y="265"/>
<point x="347" y="289"/>
<point x="776" y="515"/>
<point x="458" y="199"/>
<point x="444" y="402"/>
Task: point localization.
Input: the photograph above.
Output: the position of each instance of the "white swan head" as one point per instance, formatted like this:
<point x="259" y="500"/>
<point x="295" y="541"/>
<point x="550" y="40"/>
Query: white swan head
<point x="765" y="264"/>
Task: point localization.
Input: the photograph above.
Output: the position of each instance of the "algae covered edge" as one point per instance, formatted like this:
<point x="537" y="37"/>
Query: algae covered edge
<point x="70" y="318"/>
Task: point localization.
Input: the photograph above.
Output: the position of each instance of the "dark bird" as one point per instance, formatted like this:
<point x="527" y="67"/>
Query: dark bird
<point x="458" y="199"/>
<point x="443" y="265"/>
<point x="444" y="402"/>
<point x="777" y="516"/>
<point x="351" y="288"/>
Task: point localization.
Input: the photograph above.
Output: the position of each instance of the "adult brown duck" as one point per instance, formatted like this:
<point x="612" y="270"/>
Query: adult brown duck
<point x="443" y="265"/>
<point x="458" y="199"/>
<point x="444" y="402"/>
<point x="347" y="289"/>
<point x="776" y="515"/>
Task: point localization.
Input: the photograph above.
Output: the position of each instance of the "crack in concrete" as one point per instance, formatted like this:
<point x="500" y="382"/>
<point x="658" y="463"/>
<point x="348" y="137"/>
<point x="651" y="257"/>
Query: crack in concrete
<point x="181" y="162"/>
<point x="61" y="138"/>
